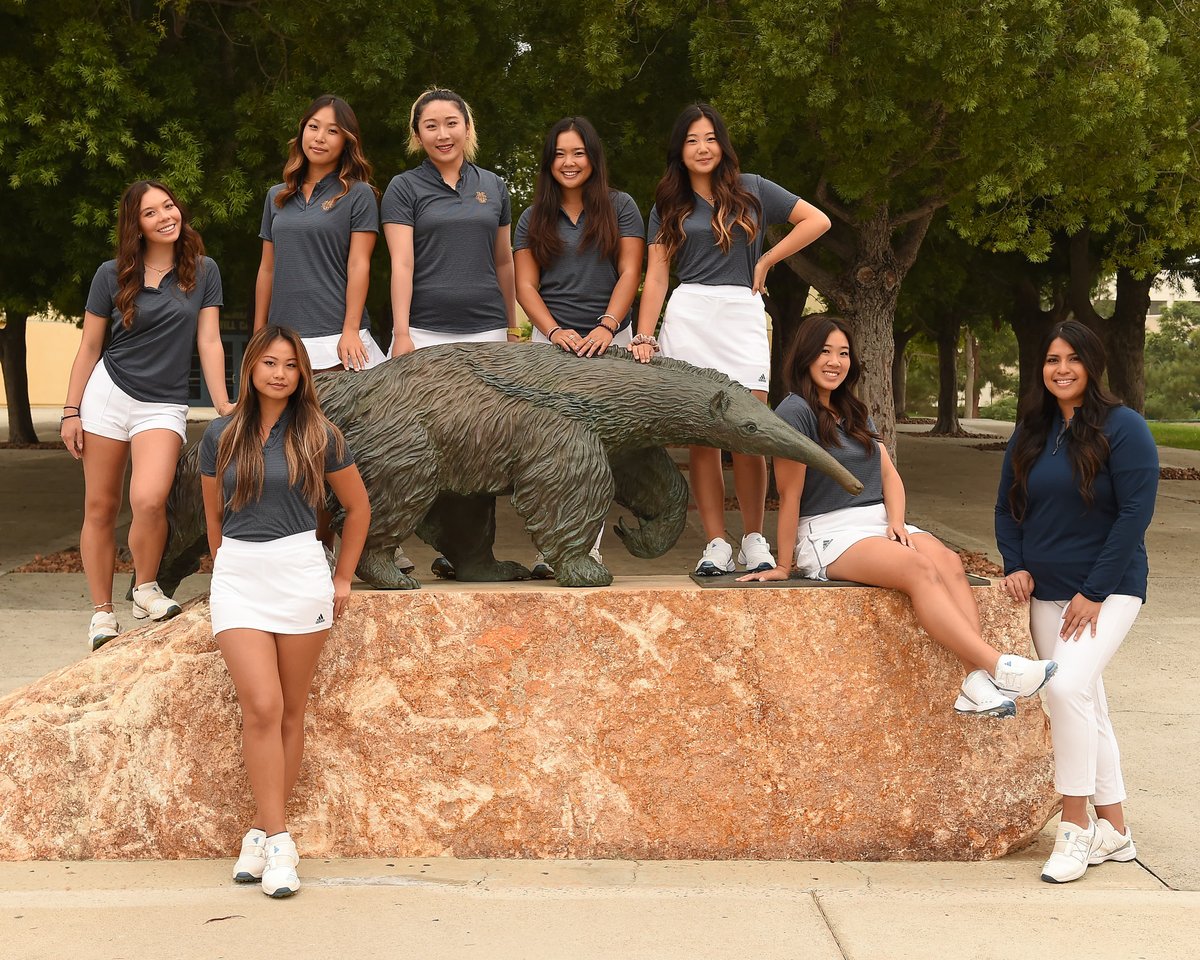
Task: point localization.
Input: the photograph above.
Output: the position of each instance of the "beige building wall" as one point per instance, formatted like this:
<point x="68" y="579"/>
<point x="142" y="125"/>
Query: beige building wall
<point x="52" y="348"/>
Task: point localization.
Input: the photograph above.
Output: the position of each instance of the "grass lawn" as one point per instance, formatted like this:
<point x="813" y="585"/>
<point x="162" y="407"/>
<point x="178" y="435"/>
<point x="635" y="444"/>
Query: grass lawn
<point x="1185" y="435"/>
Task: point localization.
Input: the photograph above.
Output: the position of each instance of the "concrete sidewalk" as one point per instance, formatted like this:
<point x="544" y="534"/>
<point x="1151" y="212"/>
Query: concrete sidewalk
<point x="446" y="908"/>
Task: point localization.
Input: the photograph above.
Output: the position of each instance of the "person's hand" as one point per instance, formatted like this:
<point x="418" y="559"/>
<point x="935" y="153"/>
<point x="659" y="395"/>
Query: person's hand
<point x="1080" y="613"/>
<point x="566" y="340"/>
<point x="1018" y="585"/>
<point x="341" y="596"/>
<point x="226" y="409"/>
<point x="71" y="432"/>
<point x="402" y="343"/>
<point x="351" y="352"/>
<point x="898" y="532"/>
<point x="775" y="573"/>
<point x="595" y="343"/>
<point x="759" y="284"/>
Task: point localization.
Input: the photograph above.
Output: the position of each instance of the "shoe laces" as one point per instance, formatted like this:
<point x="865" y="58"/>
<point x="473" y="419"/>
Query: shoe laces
<point x="1075" y="843"/>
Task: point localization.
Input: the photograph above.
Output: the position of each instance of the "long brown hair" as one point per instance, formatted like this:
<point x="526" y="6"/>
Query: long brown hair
<point x="352" y="164"/>
<point x="733" y="205"/>
<point x="308" y="430"/>
<point x="600" y="233"/>
<point x="1086" y="446"/>
<point x="806" y="347"/>
<point x="131" y="248"/>
<point x="470" y="148"/>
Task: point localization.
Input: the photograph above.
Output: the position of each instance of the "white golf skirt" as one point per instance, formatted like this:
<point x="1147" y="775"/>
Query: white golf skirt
<point x="431" y="338"/>
<point x="322" y="351"/>
<point x="621" y="338"/>
<point x="822" y="538"/>
<point x="723" y="327"/>
<point x="280" y="586"/>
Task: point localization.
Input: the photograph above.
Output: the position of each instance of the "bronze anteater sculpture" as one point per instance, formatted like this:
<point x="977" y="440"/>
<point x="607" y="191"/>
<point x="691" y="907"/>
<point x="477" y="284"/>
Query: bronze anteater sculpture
<point x="440" y="433"/>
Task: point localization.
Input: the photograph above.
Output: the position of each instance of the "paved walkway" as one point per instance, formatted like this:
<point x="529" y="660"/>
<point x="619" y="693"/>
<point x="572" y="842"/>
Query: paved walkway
<point x="463" y="909"/>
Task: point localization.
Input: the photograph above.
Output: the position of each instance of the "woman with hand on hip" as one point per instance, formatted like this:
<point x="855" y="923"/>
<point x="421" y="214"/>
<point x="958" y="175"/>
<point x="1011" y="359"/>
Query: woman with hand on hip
<point x="1076" y="495"/>
<point x="709" y="220"/>
<point x="263" y="473"/>
<point x="578" y="252"/>
<point x="836" y="536"/>
<point x="129" y="396"/>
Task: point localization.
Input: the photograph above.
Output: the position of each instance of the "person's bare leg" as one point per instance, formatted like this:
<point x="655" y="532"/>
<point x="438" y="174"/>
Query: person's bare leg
<point x="1074" y="810"/>
<point x="886" y="563"/>
<point x="950" y="568"/>
<point x="1114" y="813"/>
<point x="104" y="462"/>
<point x="707" y="479"/>
<point x="297" y="660"/>
<point x="253" y="664"/>
<point x="155" y="456"/>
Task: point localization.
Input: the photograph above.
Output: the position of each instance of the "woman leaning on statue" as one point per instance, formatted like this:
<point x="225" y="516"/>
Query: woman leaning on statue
<point x="127" y="396"/>
<point x="833" y="535"/>
<point x="1076" y="495"/>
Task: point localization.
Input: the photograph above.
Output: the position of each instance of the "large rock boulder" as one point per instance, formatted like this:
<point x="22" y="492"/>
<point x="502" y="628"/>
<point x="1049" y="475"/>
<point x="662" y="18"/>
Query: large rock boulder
<point x="649" y="720"/>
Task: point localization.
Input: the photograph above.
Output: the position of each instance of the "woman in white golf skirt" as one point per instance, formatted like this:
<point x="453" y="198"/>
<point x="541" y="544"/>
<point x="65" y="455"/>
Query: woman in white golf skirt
<point x="864" y="538"/>
<point x="272" y="597"/>
<point x="709" y="221"/>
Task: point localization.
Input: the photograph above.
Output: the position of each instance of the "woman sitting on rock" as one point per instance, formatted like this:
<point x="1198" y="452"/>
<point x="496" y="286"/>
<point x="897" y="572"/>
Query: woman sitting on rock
<point x="864" y="538"/>
<point x="1076" y="494"/>
<point x="272" y="597"/>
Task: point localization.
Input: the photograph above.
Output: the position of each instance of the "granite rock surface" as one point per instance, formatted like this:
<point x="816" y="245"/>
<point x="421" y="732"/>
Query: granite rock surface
<point x="648" y="720"/>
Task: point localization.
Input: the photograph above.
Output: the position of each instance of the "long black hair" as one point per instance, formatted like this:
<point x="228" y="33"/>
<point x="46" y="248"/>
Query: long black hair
<point x="806" y="347"/>
<point x="1087" y="446"/>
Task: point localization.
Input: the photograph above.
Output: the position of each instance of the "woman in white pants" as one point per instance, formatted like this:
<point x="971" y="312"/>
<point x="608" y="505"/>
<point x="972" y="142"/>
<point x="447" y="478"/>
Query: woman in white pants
<point x="1076" y="494"/>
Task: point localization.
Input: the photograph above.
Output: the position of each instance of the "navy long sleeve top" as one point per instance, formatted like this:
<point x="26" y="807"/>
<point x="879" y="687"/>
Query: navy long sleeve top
<point x="1067" y="546"/>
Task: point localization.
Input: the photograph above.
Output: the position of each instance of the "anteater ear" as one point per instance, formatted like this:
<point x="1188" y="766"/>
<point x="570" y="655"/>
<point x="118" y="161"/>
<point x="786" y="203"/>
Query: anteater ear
<point x="719" y="403"/>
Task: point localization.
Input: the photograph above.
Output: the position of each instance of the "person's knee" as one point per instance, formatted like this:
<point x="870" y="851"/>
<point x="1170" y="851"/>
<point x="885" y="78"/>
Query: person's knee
<point x="1069" y="690"/>
<point x="920" y="571"/>
<point x="100" y="508"/>
<point x="262" y="711"/>
<point x="147" y="504"/>
<point x="950" y="562"/>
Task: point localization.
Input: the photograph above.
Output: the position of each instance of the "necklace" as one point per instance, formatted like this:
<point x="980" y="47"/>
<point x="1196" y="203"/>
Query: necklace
<point x="159" y="270"/>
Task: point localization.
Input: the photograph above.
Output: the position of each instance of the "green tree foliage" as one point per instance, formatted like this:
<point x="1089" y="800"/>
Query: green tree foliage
<point x="1173" y="365"/>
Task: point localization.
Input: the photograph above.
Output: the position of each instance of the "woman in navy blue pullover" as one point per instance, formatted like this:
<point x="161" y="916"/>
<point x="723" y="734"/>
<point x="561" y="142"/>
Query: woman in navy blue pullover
<point x="1076" y="494"/>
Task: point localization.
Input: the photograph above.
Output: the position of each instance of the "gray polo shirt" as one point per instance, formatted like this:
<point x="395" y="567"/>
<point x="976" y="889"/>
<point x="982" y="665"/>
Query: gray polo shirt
<point x="455" y="289"/>
<point x="281" y="511"/>
<point x="822" y="494"/>
<point x="151" y="360"/>
<point x="577" y="286"/>
<point x="312" y="249"/>
<point x="700" y="260"/>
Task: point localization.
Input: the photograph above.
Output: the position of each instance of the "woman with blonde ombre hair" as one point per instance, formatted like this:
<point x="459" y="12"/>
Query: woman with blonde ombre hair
<point x="272" y="599"/>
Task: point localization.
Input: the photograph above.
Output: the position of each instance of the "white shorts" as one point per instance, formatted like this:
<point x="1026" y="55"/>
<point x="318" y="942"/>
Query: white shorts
<point x="621" y="338"/>
<point x="722" y="327"/>
<point x="280" y="586"/>
<point x="108" y="411"/>
<point x="822" y="538"/>
<point x="322" y="351"/>
<point x="429" y="338"/>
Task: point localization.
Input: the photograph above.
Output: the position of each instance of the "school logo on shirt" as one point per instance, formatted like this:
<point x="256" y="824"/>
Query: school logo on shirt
<point x="481" y="197"/>
<point x="328" y="205"/>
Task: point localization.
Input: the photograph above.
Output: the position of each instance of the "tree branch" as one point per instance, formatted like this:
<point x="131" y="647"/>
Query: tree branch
<point x="835" y="207"/>
<point x="819" y="278"/>
<point x="932" y="205"/>
<point x="910" y="242"/>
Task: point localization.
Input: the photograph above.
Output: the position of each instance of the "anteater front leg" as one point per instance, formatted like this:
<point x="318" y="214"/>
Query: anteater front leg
<point x="463" y="530"/>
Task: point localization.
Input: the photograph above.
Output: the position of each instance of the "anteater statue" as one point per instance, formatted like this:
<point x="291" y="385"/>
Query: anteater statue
<point x="440" y="433"/>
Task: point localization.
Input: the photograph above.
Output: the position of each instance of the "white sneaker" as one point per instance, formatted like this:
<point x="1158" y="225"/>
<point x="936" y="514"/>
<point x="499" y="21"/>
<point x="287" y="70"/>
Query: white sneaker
<point x="755" y="554"/>
<point x="716" y="559"/>
<point x="1072" y="849"/>
<point x="541" y="570"/>
<point x="1110" y="845"/>
<point x="596" y="555"/>
<point x="150" y="601"/>
<point x="104" y="627"/>
<point x="400" y="558"/>
<point x="279" y="878"/>
<point x="1019" y="677"/>
<point x="979" y="695"/>
<point x="253" y="861"/>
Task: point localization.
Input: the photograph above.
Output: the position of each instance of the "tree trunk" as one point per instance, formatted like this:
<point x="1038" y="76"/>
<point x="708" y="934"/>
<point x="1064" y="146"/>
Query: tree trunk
<point x="971" y="356"/>
<point x="1031" y="323"/>
<point x="900" y="340"/>
<point x="785" y="303"/>
<point x="1125" y="339"/>
<point x="947" y="344"/>
<point x="13" y="353"/>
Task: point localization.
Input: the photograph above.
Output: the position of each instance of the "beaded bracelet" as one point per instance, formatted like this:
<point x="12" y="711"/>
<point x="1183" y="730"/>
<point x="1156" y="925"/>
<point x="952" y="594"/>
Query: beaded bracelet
<point x="608" y="316"/>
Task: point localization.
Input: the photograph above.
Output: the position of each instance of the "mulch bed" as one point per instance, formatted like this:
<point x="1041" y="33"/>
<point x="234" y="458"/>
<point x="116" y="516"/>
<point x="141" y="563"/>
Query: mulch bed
<point x="69" y="561"/>
<point x="957" y="435"/>
<point x="916" y="420"/>
<point x="1178" y="473"/>
<point x="56" y="445"/>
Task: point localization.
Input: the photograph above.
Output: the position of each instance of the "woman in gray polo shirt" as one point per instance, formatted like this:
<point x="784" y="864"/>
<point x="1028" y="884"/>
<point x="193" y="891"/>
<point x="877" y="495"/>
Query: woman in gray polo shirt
<point x="708" y="221"/>
<point x="129" y="396"/>
<point x="830" y="534"/>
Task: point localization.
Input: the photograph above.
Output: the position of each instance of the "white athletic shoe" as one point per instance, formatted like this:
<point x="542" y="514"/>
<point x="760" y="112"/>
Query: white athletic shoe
<point x="253" y="861"/>
<point x="1018" y="677"/>
<point x="716" y="559"/>
<point x="1110" y="845"/>
<point x="150" y="601"/>
<point x="755" y="554"/>
<point x="979" y="695"/>
<point x="595" y="554"/>
<point x="1072" y="850"/>
<point x="541" y="570"/>
<point x="279" y="878"/>
<point x="400" y="558"/>
<point x="104" y="627"/>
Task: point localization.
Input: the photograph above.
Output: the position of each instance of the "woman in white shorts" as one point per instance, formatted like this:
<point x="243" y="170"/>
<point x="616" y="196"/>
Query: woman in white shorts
<point x="129" y="398"/>
<point x="864" y="538"/>
<point x="578" y="252"/>
<point x="272" y="597"/>
<point x="709" y="220"/>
